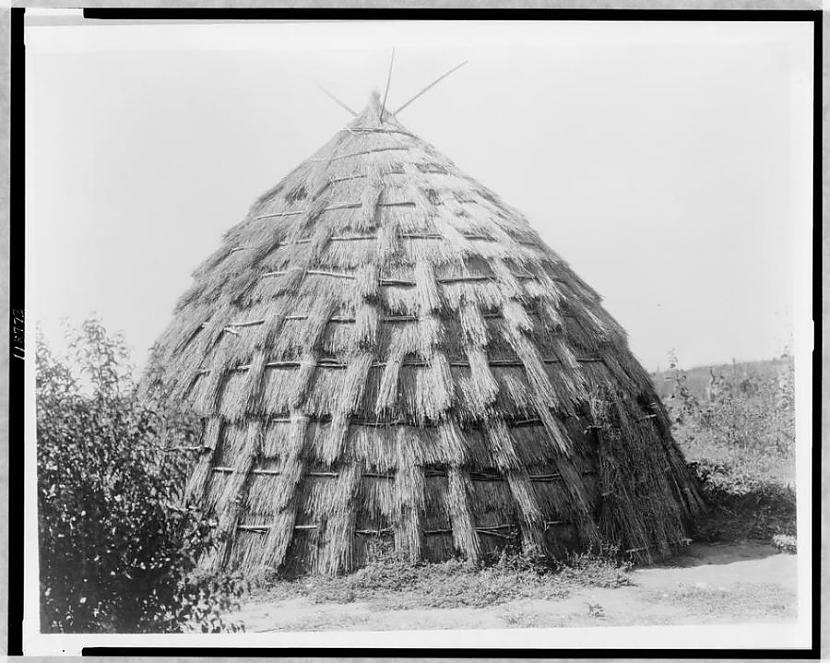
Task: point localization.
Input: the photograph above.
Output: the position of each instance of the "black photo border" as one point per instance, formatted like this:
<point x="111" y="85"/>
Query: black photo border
<point x="17" y="292"/>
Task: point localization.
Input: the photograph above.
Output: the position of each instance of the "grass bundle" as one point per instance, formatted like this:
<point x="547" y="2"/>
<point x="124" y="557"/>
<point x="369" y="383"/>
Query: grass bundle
<point x="516" y="315"/>
<point x="229" y="502"/>
<point x="435" y="389"/>
<point x="319" y="241"/>
<point x="370" y="197"/>
<point x="388" y="241"/>
<point x="340" y="521"/>
<point x="463" y="525"/>
<point x="289" y="279"/>
<point x="312" y="211"/>
<point x="513" y="289"/>
<point x="409" y="497"/>
<point x="300" y="380"/>
<point x="500" y="441"/>
<point x="403" y="343"/>
<point x="373" y="446"/>
<point x="451" y="440"/>
<point x="480" y="386"/>
<point x="367" y="321"/>
<point x="279" y="536"/>
<point x="366" y="283"/>
<point x="198" y="479"/>
<point x="346" y="403"/>
<point x="541" y="391"/>
<point x="284" y="499"/>
<point x="473" y="325"/>
<point x="249" y="400"/>
<point x="207" y="401"/>
<point x="426" y="287"/>
<point x="513" y="395"/>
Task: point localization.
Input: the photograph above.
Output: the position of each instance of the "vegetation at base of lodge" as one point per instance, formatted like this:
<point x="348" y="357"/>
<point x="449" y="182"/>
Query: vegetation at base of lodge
<point x="116" y="555"/>
<point x="736" y="427"/>
<point x="394" y="582"/>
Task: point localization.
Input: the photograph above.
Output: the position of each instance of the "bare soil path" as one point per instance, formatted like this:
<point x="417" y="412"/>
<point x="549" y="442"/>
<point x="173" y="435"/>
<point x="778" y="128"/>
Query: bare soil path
<point x="709" y="583"/>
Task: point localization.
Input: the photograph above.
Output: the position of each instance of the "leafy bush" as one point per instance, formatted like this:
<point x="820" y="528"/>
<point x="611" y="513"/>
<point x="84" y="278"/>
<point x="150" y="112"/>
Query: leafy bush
<point x="118" y="552"/>
<point x="738" y="435"/>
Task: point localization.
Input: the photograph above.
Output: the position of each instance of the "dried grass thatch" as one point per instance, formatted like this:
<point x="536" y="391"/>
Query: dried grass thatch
<point x="384" y="351"/>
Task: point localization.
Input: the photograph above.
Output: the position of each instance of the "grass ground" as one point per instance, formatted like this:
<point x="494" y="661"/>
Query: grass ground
<point x="736" y="430"/>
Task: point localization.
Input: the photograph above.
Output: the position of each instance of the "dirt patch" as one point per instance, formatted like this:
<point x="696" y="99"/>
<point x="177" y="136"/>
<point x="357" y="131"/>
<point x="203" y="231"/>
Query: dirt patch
<point x="709" y="583"/>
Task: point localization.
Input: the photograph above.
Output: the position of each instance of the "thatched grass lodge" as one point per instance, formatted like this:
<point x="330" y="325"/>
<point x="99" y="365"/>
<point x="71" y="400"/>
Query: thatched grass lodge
<point x="385" y="354"/>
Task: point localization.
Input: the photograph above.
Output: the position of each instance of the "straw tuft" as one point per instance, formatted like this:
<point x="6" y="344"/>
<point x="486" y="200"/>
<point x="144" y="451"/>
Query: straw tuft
<point x="194" y="490"/>
<point x="367" y="322"/>
<point x="427" y="287"/>
<point x="409" y="498"/>
<point x="340" y="522"/>
<point x="463" y="526"/>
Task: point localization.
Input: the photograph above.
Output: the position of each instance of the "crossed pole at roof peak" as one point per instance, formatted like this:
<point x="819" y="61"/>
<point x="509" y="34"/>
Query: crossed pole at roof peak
<point x="382" y="108"/>
<point x="430" y="86"/>
<point x="386" y="92"/>
<point x="335" y="99"/>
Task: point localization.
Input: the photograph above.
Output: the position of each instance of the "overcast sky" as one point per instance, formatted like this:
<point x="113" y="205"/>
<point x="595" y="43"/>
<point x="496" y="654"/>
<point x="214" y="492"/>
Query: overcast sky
<point x="669" y="163"/>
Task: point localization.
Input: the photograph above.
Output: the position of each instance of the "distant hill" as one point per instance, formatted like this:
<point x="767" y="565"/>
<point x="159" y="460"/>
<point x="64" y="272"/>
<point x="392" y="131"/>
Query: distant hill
<point x="698" y="377"/>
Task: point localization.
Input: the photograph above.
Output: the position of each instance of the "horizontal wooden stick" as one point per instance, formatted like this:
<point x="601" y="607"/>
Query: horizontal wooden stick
<point x="491" y="533"/>
<point x="489" y="530"/>
<point x="332" y="208"/>
<point x="474" y="476"/>
<point x="378" y="131"/>
<point x="399" y="148"/>
<point x="346" y="178"/>
<point x="334" y="364"/>
<point x="253" y="528"/>
<point x="401" y="283"/>
<point x="375" y="532"/>
<point x="411" y="236"/>
<point x="351" y="319"/>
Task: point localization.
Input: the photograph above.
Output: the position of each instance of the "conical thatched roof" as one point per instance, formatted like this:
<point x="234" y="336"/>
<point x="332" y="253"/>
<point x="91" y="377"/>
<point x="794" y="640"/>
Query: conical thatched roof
<point x="386" y="354"/>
